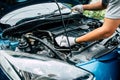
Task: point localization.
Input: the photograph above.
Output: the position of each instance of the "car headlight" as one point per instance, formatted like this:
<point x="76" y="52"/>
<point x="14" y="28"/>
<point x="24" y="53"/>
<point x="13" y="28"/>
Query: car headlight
<point x="31" y="67"/>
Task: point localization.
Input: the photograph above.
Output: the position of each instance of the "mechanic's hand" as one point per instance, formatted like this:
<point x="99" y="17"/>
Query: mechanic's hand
<point x="63" y="42"/>
<point x="78" y="8"/>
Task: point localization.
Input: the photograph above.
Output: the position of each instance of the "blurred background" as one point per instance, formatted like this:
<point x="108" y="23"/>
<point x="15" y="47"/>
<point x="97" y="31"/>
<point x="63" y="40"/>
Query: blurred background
<point x="95" y="14"/>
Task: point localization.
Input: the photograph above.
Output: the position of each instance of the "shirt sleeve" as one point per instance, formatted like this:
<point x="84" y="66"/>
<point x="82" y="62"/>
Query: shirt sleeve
<point x="113" y="9"/>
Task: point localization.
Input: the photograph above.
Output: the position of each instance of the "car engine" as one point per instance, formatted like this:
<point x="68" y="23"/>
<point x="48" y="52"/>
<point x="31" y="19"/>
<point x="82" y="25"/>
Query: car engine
<point x="36" y="38"/>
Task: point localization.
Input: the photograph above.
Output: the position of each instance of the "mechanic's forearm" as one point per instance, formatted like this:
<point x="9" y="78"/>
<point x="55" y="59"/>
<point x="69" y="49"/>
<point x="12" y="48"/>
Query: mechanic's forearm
<point x="107" y="29"/>
<point x="96" y="34"/>
<point x="94" y="6"/>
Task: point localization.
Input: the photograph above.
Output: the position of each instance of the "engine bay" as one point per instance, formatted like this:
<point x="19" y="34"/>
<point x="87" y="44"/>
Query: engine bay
<point x="40" y="39"/>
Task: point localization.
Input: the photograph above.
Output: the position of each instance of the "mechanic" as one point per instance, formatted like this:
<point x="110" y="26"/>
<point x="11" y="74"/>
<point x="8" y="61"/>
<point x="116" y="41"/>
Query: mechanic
<point x="111" y="22"/>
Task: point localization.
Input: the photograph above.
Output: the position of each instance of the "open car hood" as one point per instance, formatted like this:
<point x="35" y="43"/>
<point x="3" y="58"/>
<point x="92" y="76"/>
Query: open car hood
<point x="9" y="8"/>
<point x="36" y="10"/>
<point x="15" y="4"/>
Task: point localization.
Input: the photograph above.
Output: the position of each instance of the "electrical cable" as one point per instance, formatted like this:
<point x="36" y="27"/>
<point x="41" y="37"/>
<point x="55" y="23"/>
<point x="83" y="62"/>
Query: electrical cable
<point x="58" y="54"/>
<point x="64" y="27"/>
